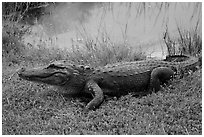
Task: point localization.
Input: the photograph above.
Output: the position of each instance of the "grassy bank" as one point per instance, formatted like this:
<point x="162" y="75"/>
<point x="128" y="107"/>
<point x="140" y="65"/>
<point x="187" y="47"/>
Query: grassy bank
<point x="30" y="108"/>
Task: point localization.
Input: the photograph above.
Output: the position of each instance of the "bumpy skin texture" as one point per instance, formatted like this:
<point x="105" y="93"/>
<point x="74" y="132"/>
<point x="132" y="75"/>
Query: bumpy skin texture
<point x="114" y="79"/>
<point x="176" y="58"/>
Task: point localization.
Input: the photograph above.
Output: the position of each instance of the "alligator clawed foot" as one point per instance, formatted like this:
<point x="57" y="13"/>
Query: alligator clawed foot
<point x="86" y="110"/>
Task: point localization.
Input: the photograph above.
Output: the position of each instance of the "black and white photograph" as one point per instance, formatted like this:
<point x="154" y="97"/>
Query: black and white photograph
<point x="101" y="68"/>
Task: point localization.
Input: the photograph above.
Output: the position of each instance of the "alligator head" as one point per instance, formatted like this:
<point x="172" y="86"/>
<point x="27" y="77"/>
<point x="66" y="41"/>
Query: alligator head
<point x="57" y="73"/>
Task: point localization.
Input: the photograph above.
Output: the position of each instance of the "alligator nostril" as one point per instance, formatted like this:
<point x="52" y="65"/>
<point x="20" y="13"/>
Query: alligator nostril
<point x="21" y="70"/>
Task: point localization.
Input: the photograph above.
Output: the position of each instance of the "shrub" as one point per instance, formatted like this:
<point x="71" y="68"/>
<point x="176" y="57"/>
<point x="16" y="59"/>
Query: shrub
<point x="189" y="42"/>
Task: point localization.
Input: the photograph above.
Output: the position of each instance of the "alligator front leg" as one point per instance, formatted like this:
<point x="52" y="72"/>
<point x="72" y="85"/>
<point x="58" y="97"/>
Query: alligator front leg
<point x="97" y="93"/>
<point x="160" y="75"/>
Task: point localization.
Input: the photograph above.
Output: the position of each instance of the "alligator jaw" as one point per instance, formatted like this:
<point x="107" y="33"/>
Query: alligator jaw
<point x="43" y="75"/>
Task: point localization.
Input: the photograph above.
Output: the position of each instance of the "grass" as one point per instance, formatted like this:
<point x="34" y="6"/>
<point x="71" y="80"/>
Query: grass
<point x="30" y="108"/>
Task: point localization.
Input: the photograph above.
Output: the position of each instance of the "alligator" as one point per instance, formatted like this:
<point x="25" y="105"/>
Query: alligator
<point x="112" y="79"/>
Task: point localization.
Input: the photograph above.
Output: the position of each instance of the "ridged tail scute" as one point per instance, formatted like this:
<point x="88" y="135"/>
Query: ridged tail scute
<point x="190" y="64"/>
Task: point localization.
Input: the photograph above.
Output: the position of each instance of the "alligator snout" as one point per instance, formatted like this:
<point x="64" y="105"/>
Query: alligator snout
<point x="27" y="73"/>
<point x="20" y="72"/>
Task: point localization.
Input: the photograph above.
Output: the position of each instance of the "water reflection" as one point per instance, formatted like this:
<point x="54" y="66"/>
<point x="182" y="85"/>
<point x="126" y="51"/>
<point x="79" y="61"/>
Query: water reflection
<point x="68" y="23"/>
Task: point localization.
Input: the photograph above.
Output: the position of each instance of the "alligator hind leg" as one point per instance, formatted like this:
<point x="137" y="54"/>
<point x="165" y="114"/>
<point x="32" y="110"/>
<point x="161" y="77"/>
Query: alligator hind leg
<point x="97" y="93"/>
<point x="160" y="75"/>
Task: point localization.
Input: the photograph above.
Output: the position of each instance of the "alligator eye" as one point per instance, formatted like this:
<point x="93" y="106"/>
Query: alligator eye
<point x="54" y="66"/>
<point x="51" y="66"/>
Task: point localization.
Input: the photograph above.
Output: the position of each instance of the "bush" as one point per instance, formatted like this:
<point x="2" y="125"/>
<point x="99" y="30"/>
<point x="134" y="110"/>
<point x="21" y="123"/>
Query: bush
<point x="189" y="42"/>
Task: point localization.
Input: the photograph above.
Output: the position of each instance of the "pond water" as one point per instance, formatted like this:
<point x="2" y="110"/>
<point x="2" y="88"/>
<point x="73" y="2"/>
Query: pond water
<point x="137" y="24"/>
